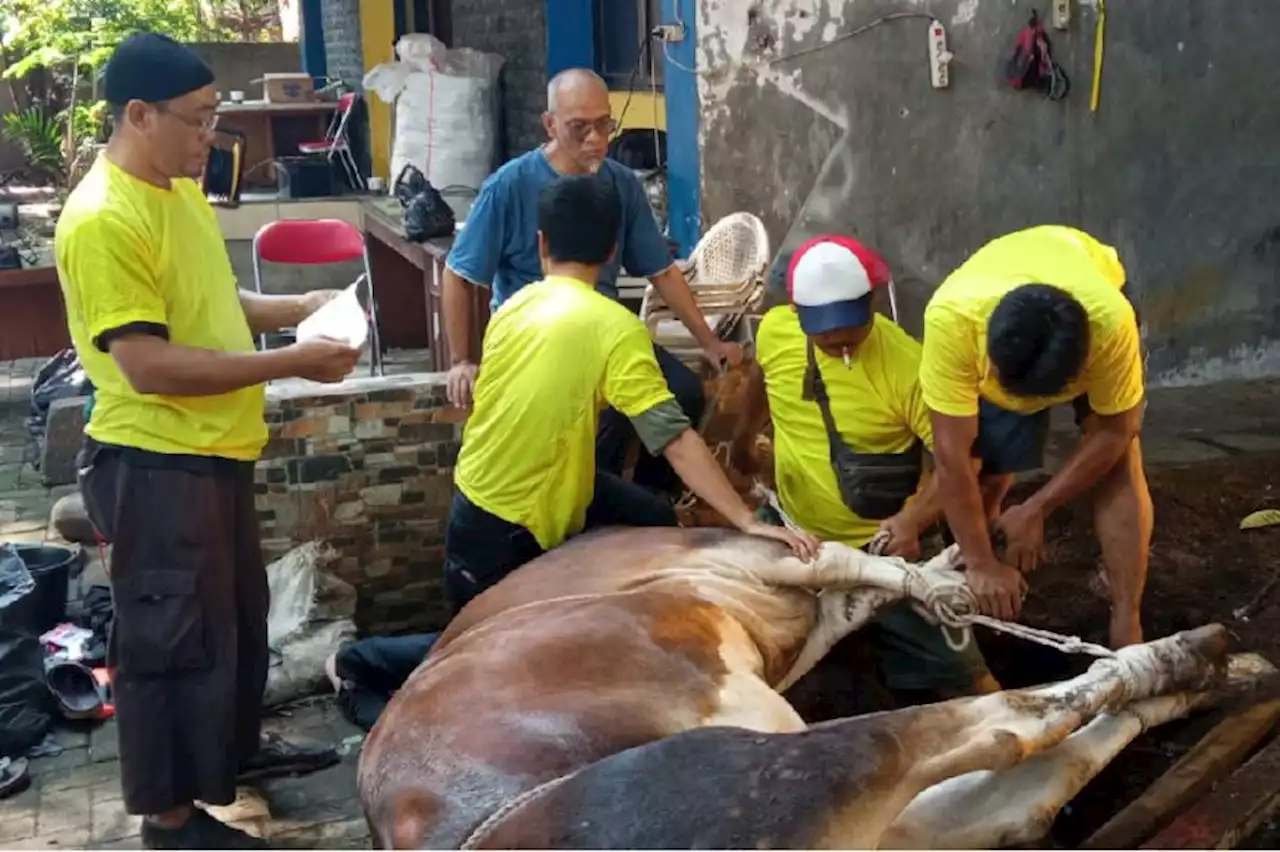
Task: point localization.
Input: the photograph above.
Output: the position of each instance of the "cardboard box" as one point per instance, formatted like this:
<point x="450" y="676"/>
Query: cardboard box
<point x="292" y="88"/>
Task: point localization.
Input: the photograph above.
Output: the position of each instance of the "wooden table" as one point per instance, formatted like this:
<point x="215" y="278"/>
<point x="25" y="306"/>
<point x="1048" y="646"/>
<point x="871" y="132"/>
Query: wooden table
<point x="409" y="281"/>
<point x="33" y="320"/>
<point x="274" y="130"/>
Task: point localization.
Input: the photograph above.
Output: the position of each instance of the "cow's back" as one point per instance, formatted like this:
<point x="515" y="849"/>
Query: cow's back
<point x="535" y="694"/>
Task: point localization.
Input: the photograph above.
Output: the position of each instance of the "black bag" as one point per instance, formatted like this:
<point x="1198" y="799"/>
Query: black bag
<point x="25" y="702"/>
<point x="874" y="486"/>
<point x="426" y="214"/>
<point x="61" y="377"/>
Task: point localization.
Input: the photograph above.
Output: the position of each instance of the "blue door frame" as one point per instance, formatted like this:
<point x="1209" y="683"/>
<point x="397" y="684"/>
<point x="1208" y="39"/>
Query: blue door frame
<point x="684" y="186"/>
<point x="571" y="44"/>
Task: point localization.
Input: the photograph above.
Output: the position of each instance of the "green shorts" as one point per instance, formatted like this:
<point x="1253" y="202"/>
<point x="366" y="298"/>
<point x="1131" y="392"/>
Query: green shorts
<point x="914" y="654"/>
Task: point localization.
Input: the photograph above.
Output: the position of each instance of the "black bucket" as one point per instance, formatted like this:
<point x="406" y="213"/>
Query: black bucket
<point x="50" y="566"/>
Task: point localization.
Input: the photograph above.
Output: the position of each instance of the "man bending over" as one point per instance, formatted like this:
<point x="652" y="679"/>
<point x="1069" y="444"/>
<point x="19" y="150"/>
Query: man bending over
<point x="1035" y="319"/>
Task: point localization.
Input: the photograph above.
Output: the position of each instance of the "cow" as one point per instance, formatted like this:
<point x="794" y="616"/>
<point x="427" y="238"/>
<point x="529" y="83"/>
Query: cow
<point x="628" y="639"/>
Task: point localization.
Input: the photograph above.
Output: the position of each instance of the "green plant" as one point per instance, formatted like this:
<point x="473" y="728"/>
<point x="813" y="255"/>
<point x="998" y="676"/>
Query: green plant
<point x="39" y="137"/>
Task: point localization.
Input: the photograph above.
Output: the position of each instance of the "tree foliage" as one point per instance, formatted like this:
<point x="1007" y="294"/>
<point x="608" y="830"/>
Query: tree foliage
<point x="52" y="50"/>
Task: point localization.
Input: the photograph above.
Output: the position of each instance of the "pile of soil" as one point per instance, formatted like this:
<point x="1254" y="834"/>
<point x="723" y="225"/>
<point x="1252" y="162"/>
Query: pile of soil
<point x="1202" y="568"/>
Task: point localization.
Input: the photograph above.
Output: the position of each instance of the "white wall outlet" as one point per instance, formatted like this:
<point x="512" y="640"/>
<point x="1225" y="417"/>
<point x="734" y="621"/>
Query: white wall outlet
<point x="939" y="56"/>
<point x="1061" y="14"/>
<point x="670" y="33"/>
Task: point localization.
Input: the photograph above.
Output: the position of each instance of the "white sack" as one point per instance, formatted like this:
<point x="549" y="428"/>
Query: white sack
<point x="445" y="114"/>
<point x="310" y="616"/>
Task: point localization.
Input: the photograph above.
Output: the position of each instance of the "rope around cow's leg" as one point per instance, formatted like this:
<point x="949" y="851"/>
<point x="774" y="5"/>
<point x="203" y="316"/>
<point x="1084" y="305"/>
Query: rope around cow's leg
<point x="950" y="604"/>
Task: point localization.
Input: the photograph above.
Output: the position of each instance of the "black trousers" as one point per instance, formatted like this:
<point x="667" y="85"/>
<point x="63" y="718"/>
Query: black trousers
<point x="189" y="643"/>
<point x="616" y="433"/>
<point x="480" y="548"/>
<point x="373" y="669"/>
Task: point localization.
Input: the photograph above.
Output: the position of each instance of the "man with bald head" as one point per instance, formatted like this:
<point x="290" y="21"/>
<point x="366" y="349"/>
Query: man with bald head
<point x="497" y="248"/>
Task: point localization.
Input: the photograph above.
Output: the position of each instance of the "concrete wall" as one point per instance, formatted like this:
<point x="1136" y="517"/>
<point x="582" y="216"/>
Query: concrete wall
<point x="236" y="64"/>
<point x="1179" y="169"/>
<point x="516" y="30"/>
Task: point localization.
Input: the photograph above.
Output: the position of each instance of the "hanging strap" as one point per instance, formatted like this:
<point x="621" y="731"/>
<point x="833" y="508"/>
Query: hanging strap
<point x="816" y="389"/>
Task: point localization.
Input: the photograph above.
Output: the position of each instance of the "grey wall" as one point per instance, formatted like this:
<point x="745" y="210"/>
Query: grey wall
<point x="344" y="55"/>
<point x="289" y="279"/>
<point x="236" y="64"/>
<point x="516" y="30"/>
<point x="1180" y="169"/>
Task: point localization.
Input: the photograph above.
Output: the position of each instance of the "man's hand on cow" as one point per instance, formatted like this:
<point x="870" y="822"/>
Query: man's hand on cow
<point x="904" y="537"/>
<point x="724" y="354"/>
<point x="998" y="588"/>
<point x="460" y="384"/>
<point x="1023" y="528"/>
<point x="802" y="544"/>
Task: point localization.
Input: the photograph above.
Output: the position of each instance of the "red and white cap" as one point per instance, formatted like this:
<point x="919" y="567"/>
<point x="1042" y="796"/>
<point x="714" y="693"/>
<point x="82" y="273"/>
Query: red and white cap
<point x="830" y="280"/>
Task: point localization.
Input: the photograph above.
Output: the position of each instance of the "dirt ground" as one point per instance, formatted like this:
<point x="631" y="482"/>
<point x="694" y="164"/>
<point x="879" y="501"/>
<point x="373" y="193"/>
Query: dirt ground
<point x="1202" y="568"/>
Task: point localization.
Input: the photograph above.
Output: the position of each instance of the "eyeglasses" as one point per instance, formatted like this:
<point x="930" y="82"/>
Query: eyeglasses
<point x="204" y="125"/>
<point x="579" y="129"/>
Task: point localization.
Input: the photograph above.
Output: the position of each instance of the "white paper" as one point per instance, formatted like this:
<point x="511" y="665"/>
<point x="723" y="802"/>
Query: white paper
<point x="341" y="319"/>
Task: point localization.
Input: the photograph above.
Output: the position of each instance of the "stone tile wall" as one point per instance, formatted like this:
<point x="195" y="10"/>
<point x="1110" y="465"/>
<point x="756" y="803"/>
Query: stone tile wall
<point x="367" y="465"/>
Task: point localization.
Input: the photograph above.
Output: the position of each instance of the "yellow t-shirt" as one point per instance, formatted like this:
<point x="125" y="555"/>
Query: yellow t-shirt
<point x="555" y="355"/>
<point x="955" y="369"/>
<point x="129" y="252"/>
<point x="876" y="404"/>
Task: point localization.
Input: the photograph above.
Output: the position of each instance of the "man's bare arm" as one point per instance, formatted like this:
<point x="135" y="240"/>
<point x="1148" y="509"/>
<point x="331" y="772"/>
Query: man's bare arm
<point x="674" y="289"/>
<point x="272" y="313"/>
<point x="153" y="365"/>
<point x="1105" y="441"/>
<point x="956" y="482"/>
<point x="456" y="307"/>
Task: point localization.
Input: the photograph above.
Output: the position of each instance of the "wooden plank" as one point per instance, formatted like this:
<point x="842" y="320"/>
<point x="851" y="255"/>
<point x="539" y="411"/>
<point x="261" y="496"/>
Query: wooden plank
<point x="1232" y="812"/>
<point x="1208" y="762"/>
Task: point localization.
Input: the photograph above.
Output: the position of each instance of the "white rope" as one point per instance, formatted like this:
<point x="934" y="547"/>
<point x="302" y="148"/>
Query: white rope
<point x="950" y="604"/>
<point x="485" y="828"/>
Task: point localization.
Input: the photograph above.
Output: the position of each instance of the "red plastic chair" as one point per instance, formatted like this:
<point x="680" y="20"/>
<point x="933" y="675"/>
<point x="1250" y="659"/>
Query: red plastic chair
<point x="318" y="241"/>
<point x="337" y="142"/>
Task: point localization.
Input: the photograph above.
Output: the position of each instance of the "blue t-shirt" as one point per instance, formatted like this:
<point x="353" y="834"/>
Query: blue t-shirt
<point x="497" y="246"/>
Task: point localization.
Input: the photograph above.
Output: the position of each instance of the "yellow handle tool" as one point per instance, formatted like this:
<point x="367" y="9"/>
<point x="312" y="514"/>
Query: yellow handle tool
<point x="1099" y="39"/>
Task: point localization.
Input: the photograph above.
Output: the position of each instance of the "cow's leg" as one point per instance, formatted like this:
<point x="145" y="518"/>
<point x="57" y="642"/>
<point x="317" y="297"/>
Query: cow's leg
<point x="993" y="809"/>
<point x="747" y="701"/>
<point x="843" y="610"/>
<point x="840" y="784"/>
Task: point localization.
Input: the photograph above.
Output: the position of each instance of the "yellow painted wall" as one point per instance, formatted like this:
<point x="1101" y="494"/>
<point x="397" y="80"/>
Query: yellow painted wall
<point x="646" y="111"/>
<point x="377" y="40"/>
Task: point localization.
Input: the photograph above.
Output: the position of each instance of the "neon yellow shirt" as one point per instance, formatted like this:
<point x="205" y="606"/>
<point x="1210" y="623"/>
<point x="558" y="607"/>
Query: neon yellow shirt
<point x="876" y="404"/>
<point x="130" y="252"/>
<point x="555" y="355"/>
<point x="955" y="369"/>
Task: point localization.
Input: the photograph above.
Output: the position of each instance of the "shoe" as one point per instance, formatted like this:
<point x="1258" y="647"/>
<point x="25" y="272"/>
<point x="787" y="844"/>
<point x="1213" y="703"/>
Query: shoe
<point x="201" y="831"/>
<point x="14" y="777"/>
<point x="277" y="757"/>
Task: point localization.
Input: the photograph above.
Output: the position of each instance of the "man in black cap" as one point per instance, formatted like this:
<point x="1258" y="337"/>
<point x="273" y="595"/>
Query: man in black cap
<point x="167" y="467"/>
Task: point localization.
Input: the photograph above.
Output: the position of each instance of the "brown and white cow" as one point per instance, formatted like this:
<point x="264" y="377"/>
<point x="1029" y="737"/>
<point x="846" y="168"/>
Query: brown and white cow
<point x="626" y="638"/>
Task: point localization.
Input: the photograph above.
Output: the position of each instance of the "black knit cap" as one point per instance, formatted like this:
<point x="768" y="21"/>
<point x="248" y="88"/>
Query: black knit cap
<point x="150" y="67"/>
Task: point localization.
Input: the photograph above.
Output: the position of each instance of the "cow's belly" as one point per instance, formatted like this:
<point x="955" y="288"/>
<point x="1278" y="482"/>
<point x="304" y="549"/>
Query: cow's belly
<point x="546" y="689"/>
